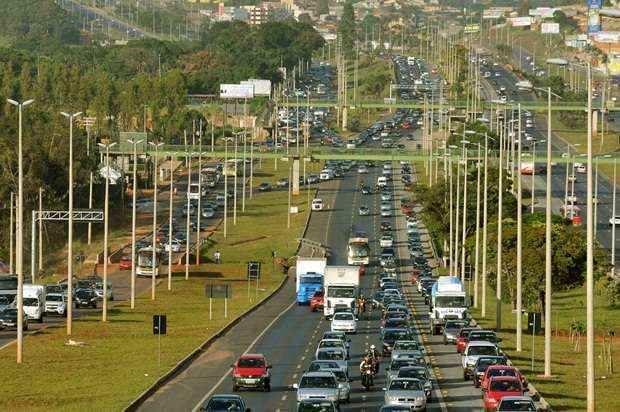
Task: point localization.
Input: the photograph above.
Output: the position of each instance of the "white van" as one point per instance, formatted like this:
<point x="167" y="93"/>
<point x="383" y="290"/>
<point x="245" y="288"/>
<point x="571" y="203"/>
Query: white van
<point x="34" y="301"/>
<point x="382" y="181"/>
<point x="317" y="204"/>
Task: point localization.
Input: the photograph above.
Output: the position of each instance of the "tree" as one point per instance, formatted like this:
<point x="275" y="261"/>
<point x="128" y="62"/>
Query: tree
<point x="347" y="29"/>
<point x="322" y="7"/>
<point x="524" y="8"/>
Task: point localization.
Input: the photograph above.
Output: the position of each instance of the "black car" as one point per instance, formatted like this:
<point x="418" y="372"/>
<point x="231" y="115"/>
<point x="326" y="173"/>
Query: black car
<point x="8" y="319"/>
<point x="386" y="226"/>
<point x="264" y="187"/>
<point x="391" y="335"/>
<point x="482" y="363"/>
<point x="85" y="298"/>
<point x="366" y="190"/>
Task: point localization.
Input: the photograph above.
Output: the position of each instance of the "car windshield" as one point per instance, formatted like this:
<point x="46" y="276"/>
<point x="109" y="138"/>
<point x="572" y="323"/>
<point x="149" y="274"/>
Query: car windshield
<point x="406" y="346"/>
<point x="315" y="406"/>
<point x="412" y="373"/>
<point x="54" y="298"/>
<point x="489" y="337"/>
<point x="517" y="405"/>
<point x="224" y="405"/>
<point x="453" y="324"/>
<point x="341" y="292"/>
<point x="397" y="364"/>
<point x="330" y="355"/>
<point x="396" y="335"/>
<point x="9" y="312"/>
<point x="317" y="382"/>
<point x="450" y="301"/>
<point x="251" y="363"/>
<point x="502" y="372"/>
<point x="84" y="294"/>
<point x="481" y="350"/>
<point x="484" y="363"/>
<point x="405" y="385"/>
<point x="330" y="344"/>
<point x="343" y="316"/>
<point x="31" y="302"/>
<point x="319" y="366"/>
<point x="502" y="385"/>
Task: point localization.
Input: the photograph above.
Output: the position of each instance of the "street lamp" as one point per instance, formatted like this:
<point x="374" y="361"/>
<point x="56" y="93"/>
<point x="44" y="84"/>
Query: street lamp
<point x="154" y="256"/>
<point x="452" y="213"/>
<point x="596" y="192"/>
<point x="534" y="174"/>
<point x="483" y="302"/>
<point x="19" y="250"/>
<point x="134" y="195"/>
<point x="104" y="310"/>
<point x="71" y="117"/>
<point x="464" y="231"/>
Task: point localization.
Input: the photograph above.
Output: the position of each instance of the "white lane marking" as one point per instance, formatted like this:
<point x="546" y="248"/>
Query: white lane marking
<point x="283" y="398"/>
<point x="303" y="358"/>
<point x="299" y="366"/>
<point x="248" y="349"/>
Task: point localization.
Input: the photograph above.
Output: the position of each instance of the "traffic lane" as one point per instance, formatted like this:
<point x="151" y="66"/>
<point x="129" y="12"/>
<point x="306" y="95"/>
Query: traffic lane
<point x="454" y="393"/>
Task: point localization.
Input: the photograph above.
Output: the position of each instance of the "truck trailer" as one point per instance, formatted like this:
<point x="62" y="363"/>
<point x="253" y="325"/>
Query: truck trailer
<point x="341" y="286"/>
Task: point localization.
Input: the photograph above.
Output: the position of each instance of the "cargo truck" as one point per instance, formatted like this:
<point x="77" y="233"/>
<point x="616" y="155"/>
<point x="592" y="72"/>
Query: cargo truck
<point x="448" y="301"/>
<point x="309" y="277"/>
<point x="341" y="284"/>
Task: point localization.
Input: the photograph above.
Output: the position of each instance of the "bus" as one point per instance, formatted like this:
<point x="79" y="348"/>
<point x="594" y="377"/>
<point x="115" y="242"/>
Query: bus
<point x="145" y="262"/>
<point x="358" y="251"/>
<point x="8" y="289"/>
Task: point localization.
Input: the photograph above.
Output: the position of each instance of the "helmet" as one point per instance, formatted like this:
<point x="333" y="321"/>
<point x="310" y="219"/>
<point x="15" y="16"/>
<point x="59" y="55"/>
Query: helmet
<point x="372" y="347"/>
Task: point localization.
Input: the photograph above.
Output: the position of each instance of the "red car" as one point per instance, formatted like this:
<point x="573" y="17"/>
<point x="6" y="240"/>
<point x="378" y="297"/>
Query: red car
<point x="499" y="387"/>
<point x="362" y="269"/>
<point x="251" y="371"/>
<point x="462" y="338"/>
<point x="406" y="208"/>
<point x="125" y="263"/>
<point x="316" y="302"/>
<point x="501" y="370"/>
<point x="414" y="275"/>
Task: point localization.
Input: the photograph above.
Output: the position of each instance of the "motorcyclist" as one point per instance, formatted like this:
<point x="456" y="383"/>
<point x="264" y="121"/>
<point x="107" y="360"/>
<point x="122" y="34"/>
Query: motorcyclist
<point x="373" y="355"/>
<point x="366" y="366"/>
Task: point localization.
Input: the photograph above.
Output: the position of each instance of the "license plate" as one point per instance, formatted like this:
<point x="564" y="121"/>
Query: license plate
<point x="251" y="380"/>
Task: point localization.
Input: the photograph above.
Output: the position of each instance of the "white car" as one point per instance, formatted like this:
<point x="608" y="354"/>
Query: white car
<point x="473" y="351"/>
<point x="344" y="322"/>
<point x="317" y="204"/>
<point x="581" y="169"/>
<point x="386" y="197"/>
<point x="362" y="169"/>
<point x="386" y="213"/>
<point x="176" y="246"/>
<point x="56" y="303"/>
<point x="388" y="241"/>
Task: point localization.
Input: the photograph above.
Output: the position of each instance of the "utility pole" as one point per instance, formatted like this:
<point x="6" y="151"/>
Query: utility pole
<point x="548" y="244"/>
<point x="71" y="117"/>
<point x="106" y="208"/>
<point x="476" y="259"/>
<point x="134" y="195"/>
<point x="484" y="228"/>
<point x="188" y="206"/>
<point x="519" y="239"/>
<point x="170" y="208"/>
<point x="498" y="287"/>
<point x="154" y="257"/>
<point x="464" y="234"/>
<point x="591" y="403"/>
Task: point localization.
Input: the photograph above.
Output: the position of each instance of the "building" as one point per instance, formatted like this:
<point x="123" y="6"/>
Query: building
<point x="258" y="15"/>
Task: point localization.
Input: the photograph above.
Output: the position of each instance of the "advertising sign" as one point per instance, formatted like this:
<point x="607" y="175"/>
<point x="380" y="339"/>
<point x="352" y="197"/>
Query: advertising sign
<point x="550" y="28"/>
<point x="521" y="21"/>
<point x="236" y="91"/>
<point x="492" y="14"/>
<point x="594" y="21"/>
<point x="543" y="12"/>
<point x="595" y="4"/>
<point x="261" y="87"/>
<point x="472" y="28"/>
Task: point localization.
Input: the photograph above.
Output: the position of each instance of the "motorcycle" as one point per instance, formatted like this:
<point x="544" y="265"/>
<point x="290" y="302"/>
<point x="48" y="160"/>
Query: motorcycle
<point x="367" y="377"/>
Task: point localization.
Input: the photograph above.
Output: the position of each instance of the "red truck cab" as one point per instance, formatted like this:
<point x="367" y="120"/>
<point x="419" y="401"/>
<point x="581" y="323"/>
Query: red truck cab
<point x="317" y="301"/>
<point x="251" y="371"/>
<point x="499" y="387"/>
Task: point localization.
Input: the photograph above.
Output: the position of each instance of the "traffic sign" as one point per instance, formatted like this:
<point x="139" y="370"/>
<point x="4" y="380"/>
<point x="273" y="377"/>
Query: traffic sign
<point x="218" y="291"/>
<point x="159" y="324"/>
<point x="253" y="270"/>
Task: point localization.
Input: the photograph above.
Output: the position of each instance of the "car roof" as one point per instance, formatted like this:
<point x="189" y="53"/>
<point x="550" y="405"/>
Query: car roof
<point x="317" y="374"/>
<point x="505" y="378"/>
<point x="517" y="398"/>
<point x="511" y="367"/>
<point x="237" y="397"/>
<point x="252" y="356"/>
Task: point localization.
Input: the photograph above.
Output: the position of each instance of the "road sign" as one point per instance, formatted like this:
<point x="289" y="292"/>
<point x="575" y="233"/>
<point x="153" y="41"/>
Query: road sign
<point x="159" y="324"/>
<point x="236" y="91"/>
<point x="218" y="291"/>
<point x="254" y="270"/>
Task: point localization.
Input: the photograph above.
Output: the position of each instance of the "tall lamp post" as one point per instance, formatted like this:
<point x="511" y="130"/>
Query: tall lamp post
<point x="104" y="310"/>
<point x="19" y="229"/>
<point x="71" y="117"/>
<point x="134" y="196"/>
<point x="154" y="245"/>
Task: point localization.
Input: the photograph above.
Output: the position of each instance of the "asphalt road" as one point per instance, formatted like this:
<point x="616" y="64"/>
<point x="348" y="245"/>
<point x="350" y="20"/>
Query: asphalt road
<point x="605" y="188"/>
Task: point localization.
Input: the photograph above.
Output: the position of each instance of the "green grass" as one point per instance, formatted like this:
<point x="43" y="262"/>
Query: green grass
<point x="566" y="390"/>
<point x="119" y="358"/>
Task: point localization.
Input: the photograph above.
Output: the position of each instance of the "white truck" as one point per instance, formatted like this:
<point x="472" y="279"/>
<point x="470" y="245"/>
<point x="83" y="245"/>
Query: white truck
<point x="309" y="277"/>
<point x="341" y="284"/>
<point x="34" y="302"/>
<point x="448" y="301"/>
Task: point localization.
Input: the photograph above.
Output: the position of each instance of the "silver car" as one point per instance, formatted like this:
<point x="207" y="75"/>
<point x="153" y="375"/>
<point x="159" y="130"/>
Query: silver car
<point x="343" y="384"/>
<point x="338" y="355"/>
<point x="331" y="343"/>
<point x="418" y="372"/>
<point x="396" y="364"/>
<point x="406" y="392"/>
<point x="451" y="330"/>
<point x="318" y="385"/>
<point x="404" y="347"/>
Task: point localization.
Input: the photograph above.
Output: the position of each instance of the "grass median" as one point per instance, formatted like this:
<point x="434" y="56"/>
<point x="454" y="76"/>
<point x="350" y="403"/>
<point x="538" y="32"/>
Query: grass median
<point x="566" y="389"/>
<point x="119" y="359"/>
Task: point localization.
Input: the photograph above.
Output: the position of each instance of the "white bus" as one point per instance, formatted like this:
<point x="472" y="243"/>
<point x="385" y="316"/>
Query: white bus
<point x="145" y="262"/>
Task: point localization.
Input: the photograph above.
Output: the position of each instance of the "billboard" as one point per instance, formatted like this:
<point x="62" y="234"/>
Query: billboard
<point x="550" y="28"/>
<point x="472" y="28"/>
<point x="236" y="91"/>
<point x="594" y="21"/>
<point x="521" y="21"/>
<point x="492" y="14"/>
<point x="595" y="4"/>
<point x="261" y="87"/>
<point x="543" y="12"/>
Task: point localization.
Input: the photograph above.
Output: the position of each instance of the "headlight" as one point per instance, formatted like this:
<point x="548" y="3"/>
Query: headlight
<point x="420" y="398"/>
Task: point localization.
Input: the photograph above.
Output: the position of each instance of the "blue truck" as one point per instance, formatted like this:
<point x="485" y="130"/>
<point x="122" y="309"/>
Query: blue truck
<point x="309" y="277"/>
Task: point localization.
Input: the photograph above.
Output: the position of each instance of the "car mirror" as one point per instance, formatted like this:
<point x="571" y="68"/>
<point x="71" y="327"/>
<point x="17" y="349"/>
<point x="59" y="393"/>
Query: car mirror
<point x="295" y="386"/>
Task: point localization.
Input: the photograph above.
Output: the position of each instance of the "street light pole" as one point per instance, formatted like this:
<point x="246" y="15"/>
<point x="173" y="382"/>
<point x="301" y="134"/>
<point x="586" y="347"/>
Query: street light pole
<point x="613" y="226"/>
<point x="476" y="259"/>
<point x="498" y="285"/>
<point x="170" y="207"/>
<point x="456" y="219"/>
<point x="548" y="244"/>
<point x="483" y="302"/>
<point x="133" y="221"/>
<point x="19" y="230"/>
<point x="71" y="117"/>
<point x="519" y="236"/>
<point x="591" y="404"/>
<point x="106" y="207"/>
<point x="464" y="231"/>
<point x="154" y="256"/>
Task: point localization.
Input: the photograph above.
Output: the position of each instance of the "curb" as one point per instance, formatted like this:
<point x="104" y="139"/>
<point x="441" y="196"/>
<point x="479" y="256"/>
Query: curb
<point x="183" y="363"/>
